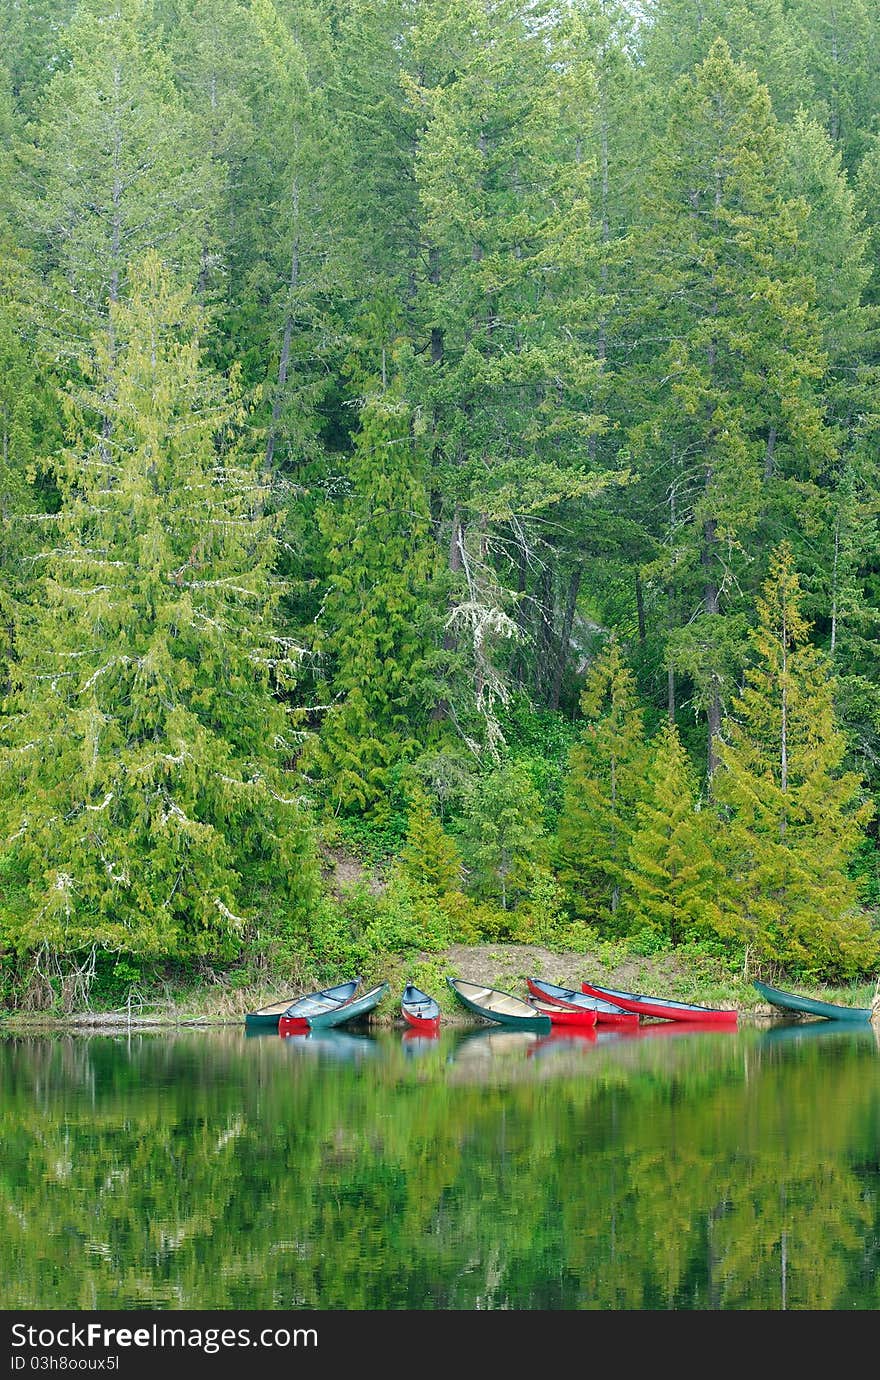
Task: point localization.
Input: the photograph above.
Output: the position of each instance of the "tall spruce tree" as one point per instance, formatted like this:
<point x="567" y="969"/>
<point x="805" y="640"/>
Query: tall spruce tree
<point x="143" y="805"/>
<point x="505" y="370"/>
<point x="115" y="171"/>
<point x="674" y="878"/>
<point x="376" y="635"/>
<point x="792" y="816"/>
<point x="727" y="387"/>
<point x="603" y="784"/>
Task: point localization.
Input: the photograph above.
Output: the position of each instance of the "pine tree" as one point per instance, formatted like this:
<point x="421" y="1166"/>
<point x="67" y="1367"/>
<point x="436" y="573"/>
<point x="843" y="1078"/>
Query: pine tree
<point x="504" y="372"/>
<point x="728" y="390"/>
<point x="376" y="634"/>
<point x="674" y="879"/>
<point x="839" y="44"/>
<point x="792" y="817"/>
<point x="604" y="783"/>
<point x="116" y="172"/>
<point x="143" y="805"/>
<point x="430" y="857"/>
<point x="502" y="839"/>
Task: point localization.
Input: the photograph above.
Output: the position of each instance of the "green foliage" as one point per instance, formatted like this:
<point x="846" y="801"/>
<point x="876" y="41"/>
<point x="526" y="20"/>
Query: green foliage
<point x="792" y="816"/>
<point x="430" y="858"/>
<point x="674" y="879"/>
<point x="375" y="629"/>
<point x="502" y="835"/>
<point x="604" y="783"/>
<point x="143" y="799"/>
<point x="552" y="324"/>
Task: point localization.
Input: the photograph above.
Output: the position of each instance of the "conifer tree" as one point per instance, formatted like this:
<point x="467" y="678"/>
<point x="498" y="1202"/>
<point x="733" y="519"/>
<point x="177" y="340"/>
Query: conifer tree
<point x="502" y="839"/>
<point x="503" y="375"/>
<point x="115" y="169"/>
<point x="29" y="415"/>
<point x="673" y="877"/>
<point x="839" y="47"/>
<point x="430" y="857"/>
<point x="376" y="634"/>
<point x="792" y="816"/>
<point x="604" y="783"/>
<point x="728" y="391"/>
<point x="143" y="805"/>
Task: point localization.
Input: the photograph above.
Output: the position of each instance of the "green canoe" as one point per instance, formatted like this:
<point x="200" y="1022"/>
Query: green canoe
<point x="809" y="1006"/>
<point x="500" y="1007"/>
<point x="350" y="1010"/>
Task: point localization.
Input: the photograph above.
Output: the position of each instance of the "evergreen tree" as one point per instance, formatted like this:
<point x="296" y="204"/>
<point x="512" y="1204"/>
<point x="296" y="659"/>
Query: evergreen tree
<point x="502" y="837"/>
<point x="218" y="63"/>
<point x="840" y="45"/>
<point x="504" y="373"/>
<point x="143" y="805"/>
<point x="29" y="415"/>
<point x="430" y="857"/>
<point x="32" y="41"/>
<point x="678" y="35"/>
<point x="604" y="783"/>
<point x="727" y="391"/>
<point x="674" y="878"/>
<point x="376" y="635"/>
<point x="792" y="817"/>
<point x="115" y="169"/>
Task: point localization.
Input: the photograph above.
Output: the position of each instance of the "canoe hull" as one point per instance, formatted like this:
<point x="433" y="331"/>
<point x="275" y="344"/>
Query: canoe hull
<point x="296" y="1017"/>
<point x="607" y="1013"/>
<point x="267" y="1017"/>
<point x="518" y="1015"/>
<point x="810" y="1006"/>
<point x="420" y="1011"/>
<point x="664" y="1008"/>
<point x="580" y="1018"/>
<point x="351" y="1011"/>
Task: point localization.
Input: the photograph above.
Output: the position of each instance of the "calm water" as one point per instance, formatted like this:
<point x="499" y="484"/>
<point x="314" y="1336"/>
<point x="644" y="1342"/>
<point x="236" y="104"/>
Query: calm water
<point x="483" y="1170"/>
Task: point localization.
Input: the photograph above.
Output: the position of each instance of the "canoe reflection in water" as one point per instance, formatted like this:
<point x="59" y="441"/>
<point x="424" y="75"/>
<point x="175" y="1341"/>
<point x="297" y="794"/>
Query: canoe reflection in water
<point x="336" y="1045"/>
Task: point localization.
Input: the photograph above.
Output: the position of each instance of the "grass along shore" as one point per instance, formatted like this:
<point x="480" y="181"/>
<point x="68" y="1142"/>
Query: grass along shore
<point x="223" y="998"/>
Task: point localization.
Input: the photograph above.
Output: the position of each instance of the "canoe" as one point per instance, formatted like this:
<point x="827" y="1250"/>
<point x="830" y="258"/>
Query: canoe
<point x="500" y="1007"/>
<point x="606" y="1011"/>
<point x="420" y="1010"/>
<point x="579" y="1017"/>
<point x="663" y="1007"/>
<point x="267" y="1017"/>
<point x="809" y="1006"/>
<point x="296" y="1016"/>
<point x="349" y="1011"/>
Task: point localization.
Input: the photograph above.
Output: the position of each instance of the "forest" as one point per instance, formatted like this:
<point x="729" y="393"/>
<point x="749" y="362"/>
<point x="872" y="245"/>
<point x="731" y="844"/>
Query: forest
<point x="441" y="434"/>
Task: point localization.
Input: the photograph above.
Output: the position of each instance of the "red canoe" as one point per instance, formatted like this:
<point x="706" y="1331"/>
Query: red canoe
<point x="607" y="1013"/>
<point x="420" y="1011"/>
<point x="581" y="1017"/>
<point x="663" y="1007"/>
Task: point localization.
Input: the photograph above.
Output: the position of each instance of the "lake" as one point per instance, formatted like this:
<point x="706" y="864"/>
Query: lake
<point x="665" y="1170"/>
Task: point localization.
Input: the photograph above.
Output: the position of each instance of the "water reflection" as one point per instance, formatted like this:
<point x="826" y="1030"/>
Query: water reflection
<point x="658" y="1169"/>
<point x="332" y="1044"/>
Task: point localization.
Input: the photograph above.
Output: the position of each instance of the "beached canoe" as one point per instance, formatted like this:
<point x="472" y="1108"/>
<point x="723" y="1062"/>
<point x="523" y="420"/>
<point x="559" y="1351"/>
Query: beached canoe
<point x="810" y="1006"/>
<point x="663" y="1007"/>
<point x="579" y="1017"/>
<point x="500" y="1007"/>
<point x="298" y="1012"/>
<point x="607" y="1013"/>
<point x="348" y="1012"/>
<point x="420" y="1011"/>
<point x="267" y="1017"/>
